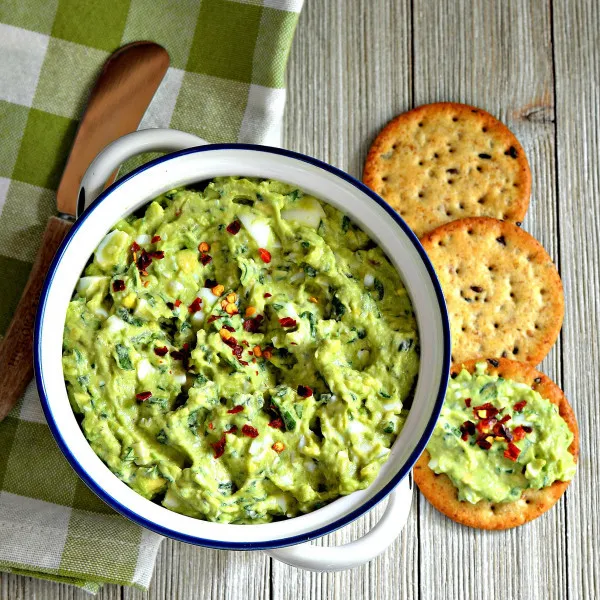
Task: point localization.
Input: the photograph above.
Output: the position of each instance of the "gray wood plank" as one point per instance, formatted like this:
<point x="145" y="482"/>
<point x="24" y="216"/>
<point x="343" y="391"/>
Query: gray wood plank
<point x="496" y="55"/>
<point x="577" y="60"/>
<point x="184" y="571"/>
<point x="350" y="72"/>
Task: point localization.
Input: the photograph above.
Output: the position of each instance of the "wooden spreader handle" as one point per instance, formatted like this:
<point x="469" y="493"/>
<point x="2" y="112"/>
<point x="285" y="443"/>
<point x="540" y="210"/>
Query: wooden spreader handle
<point x="16" y="351"/>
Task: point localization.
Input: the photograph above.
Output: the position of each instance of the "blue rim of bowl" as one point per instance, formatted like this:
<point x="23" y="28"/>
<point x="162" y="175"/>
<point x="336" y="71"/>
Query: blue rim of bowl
<point x="224" y="545"/>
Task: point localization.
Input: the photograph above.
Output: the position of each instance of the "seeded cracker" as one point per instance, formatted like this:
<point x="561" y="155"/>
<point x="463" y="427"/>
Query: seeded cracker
<point x="442" y="494"/>
<point x="446" y="161"/>
<point x="503" y="292"/>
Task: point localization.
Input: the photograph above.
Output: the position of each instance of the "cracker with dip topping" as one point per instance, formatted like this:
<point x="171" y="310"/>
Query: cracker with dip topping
<point x="484" y="514"/>
<point x="503" y="292"/>
<point x="445" y="161"/>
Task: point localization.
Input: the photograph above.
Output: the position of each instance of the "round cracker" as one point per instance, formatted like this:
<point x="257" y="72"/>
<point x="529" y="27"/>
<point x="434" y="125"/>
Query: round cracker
<point x="440" y="491"/>
<point x="445" y="161"/>
<point x="503" y="292"/>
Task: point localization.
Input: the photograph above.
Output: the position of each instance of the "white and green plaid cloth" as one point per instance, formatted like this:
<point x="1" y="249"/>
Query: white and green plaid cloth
<point x="225" y="83"/>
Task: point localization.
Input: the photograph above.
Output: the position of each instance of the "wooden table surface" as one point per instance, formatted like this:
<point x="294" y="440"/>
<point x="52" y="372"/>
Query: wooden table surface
<point x="534" y="64"/>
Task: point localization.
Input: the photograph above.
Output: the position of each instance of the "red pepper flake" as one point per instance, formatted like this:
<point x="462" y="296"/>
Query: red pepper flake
<point x="118" y="285"/>
<point x="161" y="351"/>
<point x="467" y="429"/>
<point x="304" y="391"/>
<point x="505" y="418"/>
<point x="245" y="363"/>
<point x="211" y="426"/>
<point x="205" y="259"/>
<point x="196" y="305"/>
<point x="287" y="322"/>
<point x="213" y="318"/>
<point x="235" y="410"/>
<point x="178" y="303"/>
<point x="484" y="425"/>
<point x="489" y="409"/>
<point x="219" y="447"/>
<point x="519" y="406"/>
<point x="483" y="443"/>
<point x="276" y="423"/>
<point x="252" y="325"/>
<point x="250" y="431"/>
<point x="143" y="396"/>
<point x="135" y="247"/>
<point x="502" y="431"/>
<point x="237" y="351"/>
<point x="267" y="295"/>
<point x="468" y="402"/>
<point x="209" y="283"/>
<point x="230" y="341"/>
<point x="232" y="429"/>
<point x="265" y="255"/>
<point x="527" y="429"/>
<point x="186" y="346"/>
<point x="157" y="254"/>
<point x="144" y="261"/>
<point x="234" y="227"/>
<point x="246" y="344"/>
<point x="229" y="328"/>
<point x="155" y="239"/>
<point x="519" y="433"/>
<point x="512" y="452"/>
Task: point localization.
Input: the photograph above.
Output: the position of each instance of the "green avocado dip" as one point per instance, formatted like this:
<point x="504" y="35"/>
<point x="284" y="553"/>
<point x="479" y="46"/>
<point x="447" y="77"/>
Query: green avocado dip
<point x="496" y="438"/>
<point x="240" y="353"/>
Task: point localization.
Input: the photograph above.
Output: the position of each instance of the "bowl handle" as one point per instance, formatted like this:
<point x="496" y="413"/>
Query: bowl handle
<point x="126" y="147"/>
<point x="339" y="558"/>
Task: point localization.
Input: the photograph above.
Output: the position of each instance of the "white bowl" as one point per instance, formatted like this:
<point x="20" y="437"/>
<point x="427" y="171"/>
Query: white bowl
<point x="337" y="188"/>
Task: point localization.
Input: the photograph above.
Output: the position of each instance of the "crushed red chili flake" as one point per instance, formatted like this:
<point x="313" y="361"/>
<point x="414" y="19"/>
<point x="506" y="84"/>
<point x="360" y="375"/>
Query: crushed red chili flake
<point x="287" y="322"/>
<point x="236" y="409"/>
<point x="196" y="305"/>
<point x="489" y="409"/>
<point x="186" y="346"/>
<point x="237" y="351"/>
<point x="250" y="431"/>
<point x="519" y="433"/>
<point x="276" y="423"/>
<point x="229" y="328"/>
<point x="144" y="261"/>
<point x="483" y="443"/>
<point x="213" y="318"/>
<point x="157" y="254"/>
<point x="219" y="447"/>
<point x="502" y="431"/>
<point x="178" y="302"/>
<point x="232" y="429"/>
<point x="118" y="285"/>
<point x="177" y="355"/>
<point x="304" y="391"/>
<point x="267" y="295"/>
<point x="209" y="283"/>
<point x="245" y="363"/>
<point x="484" y="425"/>
<point x="512" y="452"/>
<point x="161" y="351"/>
<point x="265" y="255"/>
<point x="246" y="344"/>
<point x="467" y="429"/>
<point x="527" y="429"/>
<point x="135" y="247"/>
<point x="468" y="402"/>
<point x="231" y="342"/>
<point x="252" y="325"/>
<point x="155" y="239"/>
<point x="234" y="227"/>
<point x="519" y="406"/>
<point x="143" y="396"/>
<point x="211" y="426"/>
<point x="505" y="418"/>
<point x="205" y="259"/>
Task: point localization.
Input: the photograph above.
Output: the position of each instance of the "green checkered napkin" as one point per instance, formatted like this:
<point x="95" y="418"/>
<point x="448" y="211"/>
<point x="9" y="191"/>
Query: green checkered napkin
<point x="225" y="83"/>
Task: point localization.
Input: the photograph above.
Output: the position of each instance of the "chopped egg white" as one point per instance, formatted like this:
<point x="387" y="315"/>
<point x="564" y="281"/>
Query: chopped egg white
<point x="307" y="212"/>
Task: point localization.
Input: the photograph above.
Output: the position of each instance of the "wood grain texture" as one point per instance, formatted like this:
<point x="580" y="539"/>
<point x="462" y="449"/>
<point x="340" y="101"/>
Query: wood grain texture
<point x="496" y="55"/>
<point x="535" y="65"/>
<point x="16" y="351"/>
<point x="576" y="27"/>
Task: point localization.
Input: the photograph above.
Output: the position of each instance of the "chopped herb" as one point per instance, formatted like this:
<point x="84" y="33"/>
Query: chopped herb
<point x="345" y="223"/>
<point x="379" y="288"/>
<point x="310" y="271"/>
<point x="338" y="308"/>
<point x="123" y="358"/>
